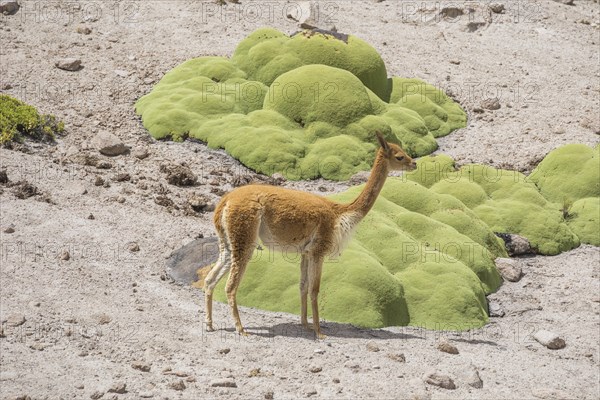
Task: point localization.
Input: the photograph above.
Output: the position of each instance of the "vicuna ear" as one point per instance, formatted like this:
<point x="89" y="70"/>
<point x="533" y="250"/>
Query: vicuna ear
<point x="382" y="142"/>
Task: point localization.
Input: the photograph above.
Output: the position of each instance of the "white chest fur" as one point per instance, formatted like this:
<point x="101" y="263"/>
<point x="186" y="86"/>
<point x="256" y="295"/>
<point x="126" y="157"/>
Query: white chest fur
<point x="344" y="229"/>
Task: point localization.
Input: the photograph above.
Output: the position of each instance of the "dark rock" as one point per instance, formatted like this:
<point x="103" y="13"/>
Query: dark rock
<point x="183" y="263"/>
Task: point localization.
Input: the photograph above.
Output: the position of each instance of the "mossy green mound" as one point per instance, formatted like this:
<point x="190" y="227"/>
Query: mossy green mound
<point x="18" y="119"/>
<point x="570" y="177"/>
<point x="305" y="106"/>
<point x="418" y="258"/>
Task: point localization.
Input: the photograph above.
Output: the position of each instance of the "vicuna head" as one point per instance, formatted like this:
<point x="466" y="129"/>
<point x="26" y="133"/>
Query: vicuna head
<point x="396" y="157"/>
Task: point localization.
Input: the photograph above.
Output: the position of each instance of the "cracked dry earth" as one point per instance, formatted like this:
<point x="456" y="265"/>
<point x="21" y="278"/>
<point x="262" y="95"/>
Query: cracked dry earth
<point x="87" y="310"/>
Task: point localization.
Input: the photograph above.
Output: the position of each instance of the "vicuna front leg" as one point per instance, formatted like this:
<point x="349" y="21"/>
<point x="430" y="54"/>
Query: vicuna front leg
<point x="304" y="290"/>
<point x="314" y="279"/>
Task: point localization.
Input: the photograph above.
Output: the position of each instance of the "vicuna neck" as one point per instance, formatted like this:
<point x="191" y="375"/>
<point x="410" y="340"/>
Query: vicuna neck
<point x="364" y="202"/>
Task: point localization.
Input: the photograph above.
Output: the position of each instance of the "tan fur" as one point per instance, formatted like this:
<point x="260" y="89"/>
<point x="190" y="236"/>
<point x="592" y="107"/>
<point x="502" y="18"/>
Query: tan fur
<point x="314" y="226"/>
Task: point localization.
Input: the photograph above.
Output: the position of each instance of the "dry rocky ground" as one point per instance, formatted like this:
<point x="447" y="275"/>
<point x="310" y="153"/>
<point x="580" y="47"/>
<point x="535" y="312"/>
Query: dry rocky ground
<point x="86" y="308"/>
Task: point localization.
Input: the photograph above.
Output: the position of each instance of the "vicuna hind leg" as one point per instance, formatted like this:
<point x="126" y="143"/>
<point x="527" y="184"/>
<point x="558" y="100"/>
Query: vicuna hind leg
<point x="243" y="239"/>
<point x="217" y="272"/>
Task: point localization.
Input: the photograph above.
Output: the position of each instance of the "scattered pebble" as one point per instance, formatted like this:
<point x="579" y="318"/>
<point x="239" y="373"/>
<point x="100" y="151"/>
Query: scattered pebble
<point x="549" y="339"/>
<point x="497" y="8"/>
<point x="96" y="395"/>
<point x="9" y="229"/>
<point x="319" y="351"/>
<point x="133" y="247"/>
<point x="15" y="320"/>
<point x="178" y="175"/>
<point x="372" y="347"/>
<point x="140" y="365"/>
<point x="437" y="379"/>
<point x="9" y="7"/>
<point x="108" y="144"/>
<point x="3" y="177"/>
<point x="91" y="216"/>
<point x="509" y="269"/>
<point x="103" y="319"/>
<point x="315" y="370"/>
<point x="84" y="30"/>
<point x="269" y="396"/>
<point x="473" y="379"/>
<point x="495" y="309"/>
<point x="141" y="153"/>
<point x="399" y="357"/>
<point x="445" y="346"/>
<point x="515" y="245"/>
<point x="224" y="351"/>
<point x="79" y="386"/>
<point x="99" y="181"/>
<point x="146" y="395"/>
<point x="119" y="387"/>
<point x="177" y="385"/>
<point x="491" y="104"/>
<point x="65" y="255"/>
<point x="68" y="64"/>
<point x="122" y="177"/>
<point x="223" y="383"/>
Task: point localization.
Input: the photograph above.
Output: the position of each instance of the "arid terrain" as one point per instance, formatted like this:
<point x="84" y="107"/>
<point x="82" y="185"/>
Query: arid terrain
<point x="86" y="306"/>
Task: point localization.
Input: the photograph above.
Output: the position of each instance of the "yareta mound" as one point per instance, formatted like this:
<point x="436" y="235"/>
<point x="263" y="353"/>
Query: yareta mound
<point x="570" y="177"/>
<point x="305" y="106"/>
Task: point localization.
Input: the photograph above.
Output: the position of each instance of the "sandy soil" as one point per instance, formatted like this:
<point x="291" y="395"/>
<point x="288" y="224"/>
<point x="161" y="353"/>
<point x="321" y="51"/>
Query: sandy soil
<point x="88" y="318"/>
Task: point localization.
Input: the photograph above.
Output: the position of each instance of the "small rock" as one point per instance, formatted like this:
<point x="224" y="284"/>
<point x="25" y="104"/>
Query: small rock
<point x="79" y="386"/>
<point x="509" y="269"/>
<point x="91" y="216"/>
<point x="223" y="383"/>
<point x="399" y="357"/>
<point x="437" y="379"/>
<point x="15" y="320"/>
<point x="319" y="351"/>
<point x="177" y="385"/>
<point x="68" y="64"/>
<point x="315" y="370"/>
<point x="146" y="395"/>
<point x="200" y="202"/>
<point x="491" y="104"/>
<point x="473" y="379"/>
<point x="372" y="347"/>
<point x="451" y="12"/>
<point x="269" y="395"/>
<point x="497" y="8"/>
<point x="9" y="229"/>
<point x="9" y="7"/>
<point x="224" y="351"/>
<point x="119" y="387"/>
<point x="133" y="247"/>
<point x="3" y="177"/>
<point x="164" y="201"/>
<point x="103" y="165"/>
<point x="65" y="255"/>
<point x="277" y="179"/>
<point x="567" y="2"/>
<point x="549" y="339"/>
<point x="141" y="153"/>
<point x="179" y="175"/>
<point x="447" y="347"/>
<point x="455" y="62"/>
<point x="515" y="245"/>
<point x="122" y="177"/>
<point x="108" y="144"/>
<point x="140" y="365"/>
<point x="84" y="30"/>
<point x="495" y="309"/>
<point x="98" y="181"/>
<point x="103" y="319"/>
<point x="96" y="395"/>
<point x="335" y="380"/>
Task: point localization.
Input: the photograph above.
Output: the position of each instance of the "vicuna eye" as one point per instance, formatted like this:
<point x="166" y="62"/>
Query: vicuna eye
<point x="400" y="158"/>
